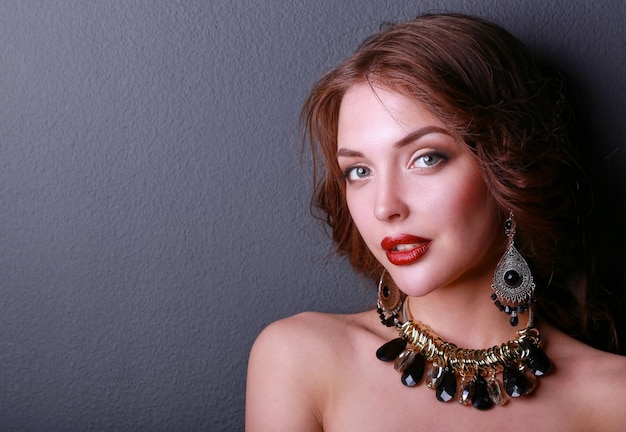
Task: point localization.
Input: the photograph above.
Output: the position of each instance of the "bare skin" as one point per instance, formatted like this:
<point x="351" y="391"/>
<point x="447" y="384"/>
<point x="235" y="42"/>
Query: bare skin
<point x="409" y="184"/>
<point x="318" y="372"/>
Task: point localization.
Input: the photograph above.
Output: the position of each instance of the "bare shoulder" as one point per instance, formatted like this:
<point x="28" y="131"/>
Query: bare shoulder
<point x="593" y="380"/>
<point x="605" y="382"/>
<point x="292" y="367"/>
<point x="310" y="333"/>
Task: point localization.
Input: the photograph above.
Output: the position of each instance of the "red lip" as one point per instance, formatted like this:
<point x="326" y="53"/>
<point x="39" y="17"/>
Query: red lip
<point x="404" y="257"/>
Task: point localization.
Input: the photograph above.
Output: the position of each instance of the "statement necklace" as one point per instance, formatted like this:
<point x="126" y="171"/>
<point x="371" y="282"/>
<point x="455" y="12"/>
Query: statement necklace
<point x="419" y="353"/>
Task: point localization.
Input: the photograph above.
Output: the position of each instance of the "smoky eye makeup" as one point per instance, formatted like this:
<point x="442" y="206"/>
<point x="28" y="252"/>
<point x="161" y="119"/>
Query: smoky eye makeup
<point x="429" y="160"/>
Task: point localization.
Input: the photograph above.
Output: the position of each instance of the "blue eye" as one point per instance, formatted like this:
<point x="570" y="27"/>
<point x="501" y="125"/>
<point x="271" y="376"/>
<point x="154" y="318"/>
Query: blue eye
<point x="357" y="173"/>
<point x="429" y="160"/>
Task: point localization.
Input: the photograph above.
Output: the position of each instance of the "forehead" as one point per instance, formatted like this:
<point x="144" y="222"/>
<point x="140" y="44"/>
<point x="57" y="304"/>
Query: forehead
<point x="370" y="112"/>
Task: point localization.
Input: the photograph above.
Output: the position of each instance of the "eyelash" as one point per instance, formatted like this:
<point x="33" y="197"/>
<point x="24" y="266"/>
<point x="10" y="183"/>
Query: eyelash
<point x="347" y="173"/>
<point x="439" y="159"/>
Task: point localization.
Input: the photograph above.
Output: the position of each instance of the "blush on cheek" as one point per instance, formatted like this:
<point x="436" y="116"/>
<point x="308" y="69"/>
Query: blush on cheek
<point x="473" y="189"/>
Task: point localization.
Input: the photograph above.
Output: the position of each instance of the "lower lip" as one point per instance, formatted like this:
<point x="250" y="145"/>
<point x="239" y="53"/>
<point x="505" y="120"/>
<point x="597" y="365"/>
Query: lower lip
<point x="408" y="256"/>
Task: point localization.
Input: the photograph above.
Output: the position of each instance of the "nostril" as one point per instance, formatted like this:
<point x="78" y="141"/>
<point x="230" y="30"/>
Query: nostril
<point x="390" y="210"/>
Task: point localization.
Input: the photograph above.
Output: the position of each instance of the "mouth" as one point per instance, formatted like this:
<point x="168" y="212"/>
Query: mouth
<point x="404" y="249"/>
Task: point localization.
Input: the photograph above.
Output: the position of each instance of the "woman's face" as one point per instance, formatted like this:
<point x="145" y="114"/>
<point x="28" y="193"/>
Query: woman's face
<point x="416" y="195"/>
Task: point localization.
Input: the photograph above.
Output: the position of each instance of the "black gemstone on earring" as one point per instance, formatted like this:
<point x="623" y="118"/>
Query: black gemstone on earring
<point x="414" y="373"/>
<point x="512" y="278"/>
<point x="386" y="291"/>
<point x="494" y="296"/>
<point x="389" y="322"/>
<point x="538" y="362"/>
<point x="447" y="387"/>
<point x="514" y="320"/>
<point x="391" y="350"/>
<point x="481" y="399"/>
<point x="515" y="383"/>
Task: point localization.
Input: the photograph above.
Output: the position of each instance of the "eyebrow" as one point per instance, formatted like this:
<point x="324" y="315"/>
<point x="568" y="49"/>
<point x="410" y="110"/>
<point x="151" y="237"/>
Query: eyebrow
<point x="411" y="137"/>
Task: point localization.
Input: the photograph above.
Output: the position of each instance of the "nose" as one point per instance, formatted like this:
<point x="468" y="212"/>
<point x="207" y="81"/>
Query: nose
<point x="390" y="201"/>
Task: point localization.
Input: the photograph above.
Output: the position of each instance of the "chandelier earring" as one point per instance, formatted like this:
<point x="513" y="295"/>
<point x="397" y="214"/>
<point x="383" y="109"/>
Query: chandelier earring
<point x="390" y="300"/>
<point x="513" y="286"/>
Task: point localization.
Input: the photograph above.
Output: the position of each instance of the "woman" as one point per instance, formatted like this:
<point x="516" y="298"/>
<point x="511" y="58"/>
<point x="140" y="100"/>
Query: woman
<point x="448" y="179"/>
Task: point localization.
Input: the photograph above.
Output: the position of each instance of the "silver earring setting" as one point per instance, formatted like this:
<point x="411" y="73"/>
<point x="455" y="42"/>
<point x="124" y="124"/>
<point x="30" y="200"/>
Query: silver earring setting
<point x="513" y="286"/>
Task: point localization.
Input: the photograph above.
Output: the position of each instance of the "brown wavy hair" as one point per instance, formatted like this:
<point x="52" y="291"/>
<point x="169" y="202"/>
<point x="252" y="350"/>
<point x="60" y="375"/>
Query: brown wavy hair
<point x="508" y="108"/>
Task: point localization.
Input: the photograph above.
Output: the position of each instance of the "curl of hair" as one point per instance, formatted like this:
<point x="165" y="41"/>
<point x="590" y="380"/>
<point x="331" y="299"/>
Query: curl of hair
<point x="507" y="107"/>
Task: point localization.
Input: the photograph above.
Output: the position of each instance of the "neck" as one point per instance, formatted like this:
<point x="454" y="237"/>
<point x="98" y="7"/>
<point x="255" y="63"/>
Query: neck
<point x="463" y="316"/>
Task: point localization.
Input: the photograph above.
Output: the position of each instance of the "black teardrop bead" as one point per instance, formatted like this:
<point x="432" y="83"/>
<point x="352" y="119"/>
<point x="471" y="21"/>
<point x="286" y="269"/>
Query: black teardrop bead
<point x="391" y="350"/>
<point x="447" y="386"/>
<point x="415" y="372"/>
<point x="515" y="382"/>
<point x="481" y="399"/>
<point x="538" y="362"/>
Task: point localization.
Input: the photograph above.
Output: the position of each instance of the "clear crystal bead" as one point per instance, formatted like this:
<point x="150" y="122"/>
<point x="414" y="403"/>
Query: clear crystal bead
<point x="404" y="360"/>
<point x="433" y="375"/>
<point x="467" y="391"/>
<point x="495" y="392"/>
<point x="531" y="380"/>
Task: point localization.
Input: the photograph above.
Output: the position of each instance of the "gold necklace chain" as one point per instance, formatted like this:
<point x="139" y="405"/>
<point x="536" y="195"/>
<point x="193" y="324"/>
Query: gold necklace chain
<point x="464" y="360"/>
<point x="418" y="348"/>
<point x="470" y="361"/>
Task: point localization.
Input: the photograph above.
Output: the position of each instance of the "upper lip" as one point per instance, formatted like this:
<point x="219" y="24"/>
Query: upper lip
<point x="391" y="243"/>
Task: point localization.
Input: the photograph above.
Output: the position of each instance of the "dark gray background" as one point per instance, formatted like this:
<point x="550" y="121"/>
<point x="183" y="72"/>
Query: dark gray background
<point x="154" y="202"/>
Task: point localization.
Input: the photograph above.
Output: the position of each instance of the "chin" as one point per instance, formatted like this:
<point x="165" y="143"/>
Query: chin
<point x="414" y="287"/>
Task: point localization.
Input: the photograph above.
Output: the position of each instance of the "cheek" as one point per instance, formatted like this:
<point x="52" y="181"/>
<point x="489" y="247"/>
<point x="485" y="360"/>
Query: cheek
<point x="474" y="196"/>
<point x="472" y="190"/>
<point x="476" y="200"/>
<point x="361" y="213"/>
<point x="469" y="204"/>
<point x="356" y="207"/>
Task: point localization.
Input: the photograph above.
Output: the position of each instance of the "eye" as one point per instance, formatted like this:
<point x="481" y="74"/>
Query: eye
<point x="429" y="160"/>
<point x="357" y="173"/>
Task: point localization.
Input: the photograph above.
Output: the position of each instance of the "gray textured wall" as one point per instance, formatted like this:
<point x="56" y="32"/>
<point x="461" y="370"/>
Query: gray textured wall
<point x="153" y="203"/>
